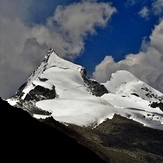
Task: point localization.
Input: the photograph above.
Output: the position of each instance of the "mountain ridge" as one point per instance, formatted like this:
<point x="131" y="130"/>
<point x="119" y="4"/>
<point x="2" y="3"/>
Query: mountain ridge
<point x="120" y="120"/>
<point x="62" y="89"/>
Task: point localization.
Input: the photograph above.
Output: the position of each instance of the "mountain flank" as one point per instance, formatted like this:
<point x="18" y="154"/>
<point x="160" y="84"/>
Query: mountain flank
<point x="121" y="140"/>
<point x="114" y="141"/>
<point x="66" y="112"/>
<point x="25" y="138"/>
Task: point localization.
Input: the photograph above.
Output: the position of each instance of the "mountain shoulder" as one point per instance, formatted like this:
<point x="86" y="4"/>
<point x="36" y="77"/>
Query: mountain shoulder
<point x="23" y="137"/>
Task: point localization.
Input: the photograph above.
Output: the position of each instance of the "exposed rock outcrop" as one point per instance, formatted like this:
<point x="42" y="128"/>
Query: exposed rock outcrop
<point x="93" y="86"/>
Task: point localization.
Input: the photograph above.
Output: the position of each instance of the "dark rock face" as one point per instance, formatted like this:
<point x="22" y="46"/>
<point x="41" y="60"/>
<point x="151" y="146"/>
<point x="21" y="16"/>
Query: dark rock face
<point x="157" y="104"/>
<point x="135" y="94"/>
<point x="40" y="93"/>
<point x="25" y="138"/>
<point x="149" y="94"/>
<point x="93" y="86"/>
<point x="43" y="79"/>
<point x="19" y="92"/>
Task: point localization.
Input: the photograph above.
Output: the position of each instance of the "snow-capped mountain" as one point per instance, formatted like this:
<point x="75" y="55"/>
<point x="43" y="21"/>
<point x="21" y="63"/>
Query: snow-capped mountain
<point x="60" y="77"/>
<point x="126" y="84"/>
<point x="61" y="89"/>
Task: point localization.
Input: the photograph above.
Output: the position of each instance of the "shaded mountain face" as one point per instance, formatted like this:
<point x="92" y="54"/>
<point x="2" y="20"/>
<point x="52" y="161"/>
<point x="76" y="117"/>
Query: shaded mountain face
<point x="113" y="141"/>
<point x="62" y="90"/>
<point x="25" y="138"/>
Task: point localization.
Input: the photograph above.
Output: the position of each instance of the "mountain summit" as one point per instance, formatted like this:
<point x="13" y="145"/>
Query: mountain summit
<point x="61" y="89"/>
<point x="120" y="120"/>
<point x="58" y="75"/>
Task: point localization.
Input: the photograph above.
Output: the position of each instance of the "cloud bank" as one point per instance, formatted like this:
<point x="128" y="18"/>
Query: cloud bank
<point x="147" y="65"/>
<point x="24" y="44"/>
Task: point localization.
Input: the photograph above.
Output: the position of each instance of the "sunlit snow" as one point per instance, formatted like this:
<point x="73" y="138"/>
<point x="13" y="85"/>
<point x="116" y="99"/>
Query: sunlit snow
<point x="128" y="97"/>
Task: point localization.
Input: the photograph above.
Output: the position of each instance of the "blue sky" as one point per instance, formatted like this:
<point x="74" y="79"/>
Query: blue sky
<point x="101" y="35"/>
<point x="122" y="35"/>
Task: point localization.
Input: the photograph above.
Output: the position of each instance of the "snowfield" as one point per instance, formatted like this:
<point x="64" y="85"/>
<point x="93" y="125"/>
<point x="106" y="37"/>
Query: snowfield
<point x="92" y="112"/>
<point x="82" y="112"/>
<point x="74" y="104"/>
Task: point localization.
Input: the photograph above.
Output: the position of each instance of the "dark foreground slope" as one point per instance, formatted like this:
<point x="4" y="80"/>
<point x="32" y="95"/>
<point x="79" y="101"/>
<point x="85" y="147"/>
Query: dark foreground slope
<point x="119" y="140"/>
<point x="24" y="138"/>
<point x="122" y="140"/>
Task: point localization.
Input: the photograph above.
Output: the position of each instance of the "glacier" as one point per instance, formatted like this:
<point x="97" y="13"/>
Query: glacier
<point x="77" y="99"/>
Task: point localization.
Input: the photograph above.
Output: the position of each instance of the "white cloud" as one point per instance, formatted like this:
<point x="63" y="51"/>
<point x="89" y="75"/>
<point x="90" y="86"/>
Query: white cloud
<point x="146" y="65"/>
<point x="70" y="25"/>
<point x="23" y="46"/>
<point x="144" y="12"/>
<point x="15" y="9"/>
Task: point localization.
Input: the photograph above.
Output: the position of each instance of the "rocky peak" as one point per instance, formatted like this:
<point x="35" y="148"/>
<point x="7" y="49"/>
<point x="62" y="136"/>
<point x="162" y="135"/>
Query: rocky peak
<point x="93" y="86"/>
<point x="55" y="75"/>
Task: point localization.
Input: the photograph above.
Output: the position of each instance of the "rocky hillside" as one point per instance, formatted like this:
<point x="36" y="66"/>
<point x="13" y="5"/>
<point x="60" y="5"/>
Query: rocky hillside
<point x="25" y="138"/>
<point x="68" y="115"/>
<point x="119" y="140"/>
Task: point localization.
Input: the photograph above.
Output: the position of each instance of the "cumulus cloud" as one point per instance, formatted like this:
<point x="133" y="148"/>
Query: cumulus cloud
<point x="71" y="24"/>
<point x="146" y="65"/>
<point x="24" y="44"/>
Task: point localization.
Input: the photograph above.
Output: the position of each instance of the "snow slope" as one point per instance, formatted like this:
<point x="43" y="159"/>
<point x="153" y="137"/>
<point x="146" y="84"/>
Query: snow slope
<point x="74" y="104"/>
<point x="126" y="84"/>
<point x="66" y="75"/>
